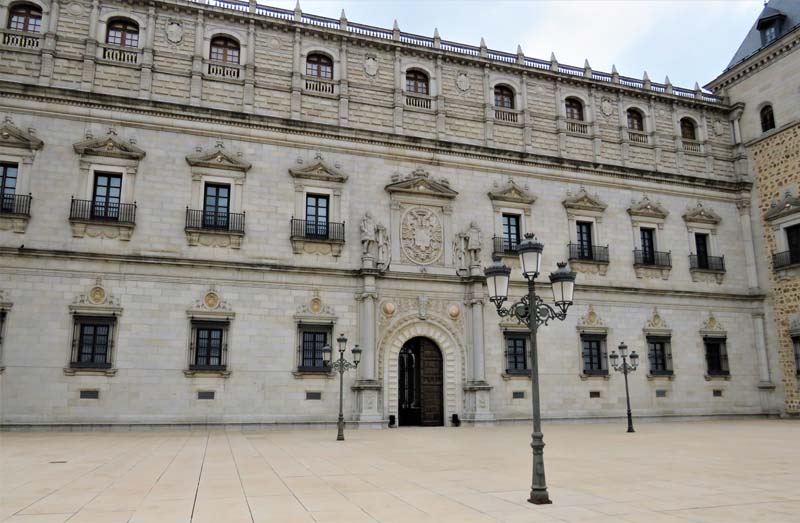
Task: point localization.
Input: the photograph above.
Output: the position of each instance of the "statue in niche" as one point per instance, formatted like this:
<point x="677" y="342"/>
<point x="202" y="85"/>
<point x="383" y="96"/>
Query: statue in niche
<point x="460" y="254"/>
<point x="474" y="244"/>
<point x="384" y="247"/>
<point x="367" y="234"/>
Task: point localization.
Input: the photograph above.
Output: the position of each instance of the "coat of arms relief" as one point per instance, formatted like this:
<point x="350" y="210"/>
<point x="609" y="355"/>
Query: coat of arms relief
<point x="421" y="235"/>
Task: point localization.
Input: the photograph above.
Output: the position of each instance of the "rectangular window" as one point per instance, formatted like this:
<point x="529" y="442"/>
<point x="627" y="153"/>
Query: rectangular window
<point x="716" y="356"/>
<point x="701" y="244"/>
<point x="595" y="360"/>
<point x="209" y="345"/>
<point x="216" y="205"/>
<point x="8" y="185"/>
<point x="796" y="343"/>
<point x="92" y="342"/>
<point x="106" y="195"/>
<point x="317" y="215"/>
<point x="312" y="340"/>
<point x="648" y="237"/>
<point x="659" y="353"/>
<point x="793" y="243"/>
<point x="584" y="235"/>
<point x="510" y="232"/>
<point x="516" y="354"/>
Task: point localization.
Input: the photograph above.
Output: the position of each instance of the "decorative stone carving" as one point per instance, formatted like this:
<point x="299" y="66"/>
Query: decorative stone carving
<point x="121" y="231"/>
<point x="315" y="311"/>
<point x="656" y="324"/>
<point x="14" y="137"/>
<point x="384" y="248"/>
<point x="591" y="322"/>
<point x="511" y="192"/>
<point x="646" y="208"/>
<point x="213" y="238"/>
<point x="367" y="234"/>
<point x="701" y="215"/>
<point x="789" y="205"/>
<point x="108" y="147"/>
<point x="75" y="9"/>
<point x="583" y="201"/>
<point x="589" y="267"/>
<point x="388" y="308"/>
<point x="219" y="158"/>
<point x="462" y="81"/>
<point x="211" y="302"/>
<point x="421" y="308"/>
<point x="607" y="107"/>
<point x="371" y="65"/>
<point x="96" y="296"/>
<point x="652" y="272"/>
<point x="421" y="236"/>
<point x="460" y="254"/>
<point x="319" y="171"/>
<point x="474" y="240"/>
<point x="454" y="311"/>
<point x="712" y="326"/>
<point x="419" y="182"/>
<point x="174" y="32"/>
<point x="719" y="129"/>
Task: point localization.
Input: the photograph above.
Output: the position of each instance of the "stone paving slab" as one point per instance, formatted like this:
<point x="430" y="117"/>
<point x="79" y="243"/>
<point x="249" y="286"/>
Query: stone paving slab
<point x="677" y="472"/>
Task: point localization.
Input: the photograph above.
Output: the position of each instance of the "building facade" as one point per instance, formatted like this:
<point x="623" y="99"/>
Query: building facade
<point x="762" y="84"/>
<point x="198" y="196"/>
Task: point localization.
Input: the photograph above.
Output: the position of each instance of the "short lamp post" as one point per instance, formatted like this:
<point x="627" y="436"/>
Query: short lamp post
<point x="625" y="368"/>
<point x="341" y="366"/>
<point x="532" y="311"/>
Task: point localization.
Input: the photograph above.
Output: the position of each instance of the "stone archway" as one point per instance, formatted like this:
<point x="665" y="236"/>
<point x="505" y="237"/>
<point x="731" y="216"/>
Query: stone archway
<point x="453" y="355"/>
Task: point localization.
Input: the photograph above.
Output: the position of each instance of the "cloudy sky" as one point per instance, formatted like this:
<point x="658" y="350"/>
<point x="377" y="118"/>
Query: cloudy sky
<point x="689" y="40"/>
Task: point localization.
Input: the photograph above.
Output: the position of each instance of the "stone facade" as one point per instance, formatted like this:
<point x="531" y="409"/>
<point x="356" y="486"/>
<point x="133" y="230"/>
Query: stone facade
<point x="416" y="188"/>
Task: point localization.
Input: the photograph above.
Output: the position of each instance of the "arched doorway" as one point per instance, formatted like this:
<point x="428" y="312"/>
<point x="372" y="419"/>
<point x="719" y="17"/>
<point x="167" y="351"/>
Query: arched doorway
<point x="420" y="384"/>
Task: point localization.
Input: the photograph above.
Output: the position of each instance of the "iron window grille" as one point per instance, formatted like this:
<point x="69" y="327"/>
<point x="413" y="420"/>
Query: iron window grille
<point x="709" y="263"/>
<point x="767" y="119"/>
<point x="716" y="356"/>
<point x="659" y="353"/>
<point x="516" y="354"/>
<point x="652" y="258"/>
<point x="215" y="221"/>
<point x="92" y="342"/>
<point x="588" y="252"/>
<point x="208" y="345"/>
<point x="595" y="356"/>
<point x="315" y="230"/>
<point x="312" y="339"/>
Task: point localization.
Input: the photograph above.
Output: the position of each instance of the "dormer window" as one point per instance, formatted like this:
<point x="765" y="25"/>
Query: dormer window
<point x="770" y="23"/>
<point x="769" y="33"/>
<point x="26" y="18"/>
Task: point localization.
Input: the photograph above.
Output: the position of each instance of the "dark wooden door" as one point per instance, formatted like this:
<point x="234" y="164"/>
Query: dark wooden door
<point x="410" y="411"/>
<point x="432" y="382"/>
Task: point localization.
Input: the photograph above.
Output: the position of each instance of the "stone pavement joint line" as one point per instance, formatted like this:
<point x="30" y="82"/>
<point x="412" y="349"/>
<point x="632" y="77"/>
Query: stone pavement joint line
<point x="692" y="472"/>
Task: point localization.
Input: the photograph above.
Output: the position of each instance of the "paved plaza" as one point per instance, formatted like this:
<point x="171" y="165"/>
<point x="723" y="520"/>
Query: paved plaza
<point x="710" y="471"/>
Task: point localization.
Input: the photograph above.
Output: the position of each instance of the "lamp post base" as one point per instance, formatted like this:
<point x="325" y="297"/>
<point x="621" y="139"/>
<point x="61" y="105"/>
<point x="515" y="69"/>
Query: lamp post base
<point x="539" y="497"/>
<point x="340" y="435"/>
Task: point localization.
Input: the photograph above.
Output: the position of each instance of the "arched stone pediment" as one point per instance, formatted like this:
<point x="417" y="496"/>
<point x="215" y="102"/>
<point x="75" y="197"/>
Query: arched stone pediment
<point x="789" y="205"/>
<point x="512" y="192"/>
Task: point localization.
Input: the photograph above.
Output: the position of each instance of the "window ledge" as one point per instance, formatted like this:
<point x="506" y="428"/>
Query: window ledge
<point x="312" y="374"/>
<point x="101" y="229"/>
<point x="516" y="375"/>
<point x="725" y="377"/>
<point x="214" y="238"/>
<point x="89" y="371"/>
<point x="589" y="266"/>
<point x="670" y="377"/>
<point x="301" y="245"/>
<point x="605" y="376"/>
<point x="206" y="373"/>
<point x="114" y="63"/>
<point x="14" y="222"/>
<point x="652" y="271"/>
<point x="708" y="275"/>
<point x="788" y="271"/>
<point x="213" y="78"/>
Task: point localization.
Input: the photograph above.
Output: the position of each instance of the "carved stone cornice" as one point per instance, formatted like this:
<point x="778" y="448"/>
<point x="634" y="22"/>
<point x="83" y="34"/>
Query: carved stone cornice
<point x="511" y="192"/>
<point x="319" y="171"/>
<point x="14" y="137"/>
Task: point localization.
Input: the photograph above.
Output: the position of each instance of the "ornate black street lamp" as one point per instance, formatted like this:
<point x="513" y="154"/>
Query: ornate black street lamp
<point x="625" y="368"/>
<point x="532" y="311"/>
<point x="341" y="366"/>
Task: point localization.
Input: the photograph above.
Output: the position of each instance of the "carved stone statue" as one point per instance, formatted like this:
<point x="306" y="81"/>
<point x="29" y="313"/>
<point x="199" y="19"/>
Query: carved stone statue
<point x="384" y="247"/>
<point x="367" y="233"/>
<point x="474" y="244"/>
<point x="460" y="253"/>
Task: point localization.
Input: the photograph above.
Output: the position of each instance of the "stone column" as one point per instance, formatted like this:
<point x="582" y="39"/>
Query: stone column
<point x="296" y="96"/>
<point x="196" y="88"/>
<point x="747" y="235"/>
<point x="249" y="93"/>
<point x="477" y="391"/>
<point x="344" y="92"/>
<point x="765" y="378"/>
<point x="441" y="115"/>
<point x="90" y="51"/>
<point x="527" y="118"/>
<point x="488" y="112"/>
<point x="146" y="77"/>
<point x="366" y="387"/>
<point x="49" y="45"/>
<point x="398" y="94"/>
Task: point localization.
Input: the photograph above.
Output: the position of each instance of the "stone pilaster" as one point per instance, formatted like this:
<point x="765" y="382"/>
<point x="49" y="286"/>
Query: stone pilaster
<point x="477" y="392"/>
<point x="366" y="387"/>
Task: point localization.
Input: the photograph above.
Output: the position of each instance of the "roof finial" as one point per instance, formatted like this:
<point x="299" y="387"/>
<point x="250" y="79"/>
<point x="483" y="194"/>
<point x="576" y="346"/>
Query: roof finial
<point x="436" y="32"/>
<point x="553" y="62"/>
<point x="343" y="16"/>
<point x="395" y="27"/>
<point x="614" y="74"/>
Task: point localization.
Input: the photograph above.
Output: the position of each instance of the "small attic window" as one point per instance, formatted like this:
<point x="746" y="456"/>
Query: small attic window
<point x="769" y="33"/>
<point x="769" y="24"/>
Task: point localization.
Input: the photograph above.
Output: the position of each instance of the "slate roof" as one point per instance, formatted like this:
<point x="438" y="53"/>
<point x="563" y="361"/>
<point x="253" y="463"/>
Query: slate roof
<point x="752" y="42"/>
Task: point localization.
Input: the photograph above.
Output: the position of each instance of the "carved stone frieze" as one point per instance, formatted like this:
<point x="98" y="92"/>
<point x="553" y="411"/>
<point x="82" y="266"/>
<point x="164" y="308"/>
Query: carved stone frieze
<point x="310" y="246"/>
<point x="122" y="231"/>
<point x="707" y="276"/>
<point x="214" y="238"/>
<point x="589" y="267"/>
<point x="399" y="308"/>
<point x="17" y="223"/>
<point x="97" y="300"/>
<point x="591" y="322"/>
<point x="652" y="272"/>
<point x="699" y="214"/>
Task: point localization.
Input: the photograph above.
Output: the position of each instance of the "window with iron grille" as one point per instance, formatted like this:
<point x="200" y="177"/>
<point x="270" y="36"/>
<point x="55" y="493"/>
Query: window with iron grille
<point x="595" y="359"/>
<point x="123" y="33"/>
<point x="659" y="352"/>
<point x="106" y="195"/>
<point x="511" y="231"/>
<point x="25" y="17"/>
<point x="312" y="339"/>
<point x="209" y="345"/>
<point x="8" y="185"/>
<point x="516" y="353"/>
<point x="92" y="342"/>
<point x="716" y="356"/>
<point x="317" y="207"/>
<point x="767" y="118"/>
<point x="319" y="66"/>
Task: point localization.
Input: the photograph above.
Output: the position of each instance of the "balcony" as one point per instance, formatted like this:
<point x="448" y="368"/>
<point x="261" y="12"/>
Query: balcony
<point x="707" y="263"/>
<point x="692" y="146"/>
<point x="15" y="211"/>
<point x="223" y="70"/>
<point x="506" y="115"/>
<point x="504" y="246"/>
<point x="418" y="102"/>
<point x="21" y="39"/>
<point x="637" y="137"/>
<point x="782" y="260"/>
<point x="577" y="127"/>
<point x="316" y="237"/>
<point x="214" y="229"/>
<point x="652" y="264"/>
<point x="320" y="86"/>
<point x="591" y="253"/>
<point x="98" y="219"/>
<point x="122" y="55"/>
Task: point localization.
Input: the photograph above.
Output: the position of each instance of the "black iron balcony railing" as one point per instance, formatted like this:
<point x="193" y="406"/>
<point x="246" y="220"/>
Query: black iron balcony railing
<point x="652" y="258"/>
<point x="708" y="263"/>
<point x="503" y="245"/>
<point x="317" y="230"/>
<point x="785" y="258"/>
<point x="215" y="220"/>
<point x="19" y="204"/>
<point x="89" y="210"/>
<point x="595" y="253"/>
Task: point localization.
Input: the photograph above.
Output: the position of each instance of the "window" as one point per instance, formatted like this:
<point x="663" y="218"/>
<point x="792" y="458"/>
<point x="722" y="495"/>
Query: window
<point x="688" y="130"/>
<point x="503" y="97"/>
<point x="8" y="185"/>
<point x="701" y="244"/>
<point x="216" y="205"/>
<point x="796" y="343"/>
<point x="317" y="215"/>
<point x="767" y="118"/>
<point x="417" y="82"/>
<point x="574" y="109"/>
<point x="92" y="342"/>
<point x="584" y="236"/>
<point x="635" y="120"/>
<point x="25" y="17"/>
<point x="510" y="232"/>
<point x="312" y="340"/>
<point x="319" y="66"/>
<point x="123" y="33"/>
<point x="648" y="245"/>
<point x="106" y="195"/>
<point x="793" y="243"/>
<point x="595" y="360"/>
<point x="660" y="355"/>
<point x="225" y="50"/>
<point x="209" y="345"/>
<point x="769" y="33"/>
<point x="516" y="354"/>
<point x="716" y="356"/>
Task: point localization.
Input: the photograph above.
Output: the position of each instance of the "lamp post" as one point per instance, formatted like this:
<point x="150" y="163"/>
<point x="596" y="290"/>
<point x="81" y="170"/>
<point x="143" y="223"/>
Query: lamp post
<point x="341" y="366"/>
<point x="625" y="368"/>
<point x="532" y="311"/>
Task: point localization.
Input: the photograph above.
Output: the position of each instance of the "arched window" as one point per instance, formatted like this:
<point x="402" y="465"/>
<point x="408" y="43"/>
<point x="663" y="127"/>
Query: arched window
<point x="417" y="82"/>
<point x="123" y="33"/>
<point x="503" y="97"/>
<point x="225" y="50"/>
<point x="574" y="109"/>
<point x="767" y="118"/>
<point x="688" y="129"/>
<point x="25" y="17"/>
<point x="319" y="66"/>
<point x="635" y="120"/>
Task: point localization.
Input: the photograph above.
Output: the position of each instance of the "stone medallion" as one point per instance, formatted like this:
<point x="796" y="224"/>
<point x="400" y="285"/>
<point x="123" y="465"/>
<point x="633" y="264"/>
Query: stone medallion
<point x="211" y="300"/>
<point x="719" y="129"/>
<point x="606" y="107"/>
<point x="75" y="9"/>
<point x="97" y="295"/>
<point x="371" y="65"/>
<point x="454" y="312"/>
<point x="462" y="81"/>
<point x="174" y="32"/>
<point x="389" y="308"/>
<point x="421" y="236"/>
<point x="316" y="305"/>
